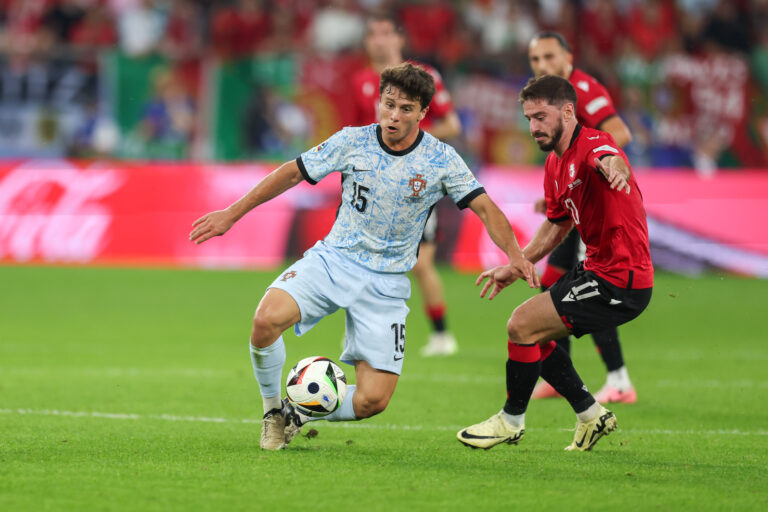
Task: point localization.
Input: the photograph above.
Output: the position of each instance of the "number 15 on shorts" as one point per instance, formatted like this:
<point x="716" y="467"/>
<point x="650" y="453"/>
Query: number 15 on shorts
<point x="399" y="331"/>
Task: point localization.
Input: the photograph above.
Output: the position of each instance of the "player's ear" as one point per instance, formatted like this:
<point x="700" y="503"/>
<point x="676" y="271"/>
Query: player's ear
<point x="423" y="113"/>
<point x="568" y="111"/>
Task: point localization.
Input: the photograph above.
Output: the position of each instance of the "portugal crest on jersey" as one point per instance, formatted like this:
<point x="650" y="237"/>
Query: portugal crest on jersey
<point x="417" y="184"/>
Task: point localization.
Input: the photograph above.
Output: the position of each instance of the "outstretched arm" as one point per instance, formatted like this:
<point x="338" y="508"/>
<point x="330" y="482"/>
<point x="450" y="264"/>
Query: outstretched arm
<point x="616" y="172"/>
<point x="547" y="237"/>
<point x="501" y="233"/>
<point x="275" y="183"/>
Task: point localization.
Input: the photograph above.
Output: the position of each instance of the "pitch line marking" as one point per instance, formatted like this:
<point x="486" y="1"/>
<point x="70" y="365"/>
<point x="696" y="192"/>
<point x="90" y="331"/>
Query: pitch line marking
<point x="347" y="425"/>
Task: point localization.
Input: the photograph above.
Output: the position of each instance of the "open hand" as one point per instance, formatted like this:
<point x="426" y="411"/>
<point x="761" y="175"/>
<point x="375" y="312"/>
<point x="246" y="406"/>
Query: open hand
<point x="615" y="172"/>
<point x="210" y="225"/>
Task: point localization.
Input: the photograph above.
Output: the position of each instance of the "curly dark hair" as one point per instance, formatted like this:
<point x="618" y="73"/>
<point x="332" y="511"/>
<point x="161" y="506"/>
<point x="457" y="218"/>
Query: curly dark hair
<point x="416" y="83"/>
<point x="556" y="90"/>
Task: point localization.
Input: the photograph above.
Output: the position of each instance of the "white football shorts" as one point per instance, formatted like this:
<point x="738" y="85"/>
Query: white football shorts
<point x="325" y="280"/>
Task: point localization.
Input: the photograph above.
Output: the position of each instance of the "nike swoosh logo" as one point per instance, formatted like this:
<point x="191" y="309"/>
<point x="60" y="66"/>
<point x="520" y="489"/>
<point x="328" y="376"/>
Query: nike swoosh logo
<point x="355" y="169"/>
<point x="398" y="358"/>
<point x="614" y="302"/>
<point x="579" y="444"/>
<point x="467" y="435"/>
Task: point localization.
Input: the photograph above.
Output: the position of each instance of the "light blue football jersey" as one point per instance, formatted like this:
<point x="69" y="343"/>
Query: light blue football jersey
<point x="386" y="195"/>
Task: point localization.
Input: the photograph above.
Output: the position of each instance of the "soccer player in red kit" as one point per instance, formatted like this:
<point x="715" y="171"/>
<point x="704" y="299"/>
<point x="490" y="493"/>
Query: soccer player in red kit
<point x="550" y="54"/>
<point x="588" y="185"/>
<point x="384" y="44"/>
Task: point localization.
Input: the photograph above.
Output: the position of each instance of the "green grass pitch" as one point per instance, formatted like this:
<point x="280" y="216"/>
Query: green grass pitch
<point x="126" y="389"/>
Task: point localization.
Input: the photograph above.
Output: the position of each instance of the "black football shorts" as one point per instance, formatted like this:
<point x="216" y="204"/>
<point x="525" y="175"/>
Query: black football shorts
<point x="566" y="254"/>
<point x="587" y="303"/>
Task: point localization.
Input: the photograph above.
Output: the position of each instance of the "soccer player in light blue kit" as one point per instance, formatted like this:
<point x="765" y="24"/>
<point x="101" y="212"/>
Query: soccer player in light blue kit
<point x="393" y="173"/>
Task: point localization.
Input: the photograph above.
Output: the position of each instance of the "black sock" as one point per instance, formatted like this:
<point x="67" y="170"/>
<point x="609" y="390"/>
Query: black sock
<point x="557" y="369"/>
<point x="565" y="344"/>
<point x="523" y="369"/>
<point x="607" y="343"/>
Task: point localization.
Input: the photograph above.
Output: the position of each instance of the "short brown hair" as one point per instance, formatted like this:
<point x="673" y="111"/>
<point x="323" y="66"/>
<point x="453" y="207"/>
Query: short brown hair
<point x="416" y="83"/>
<point x="556" y="90"/>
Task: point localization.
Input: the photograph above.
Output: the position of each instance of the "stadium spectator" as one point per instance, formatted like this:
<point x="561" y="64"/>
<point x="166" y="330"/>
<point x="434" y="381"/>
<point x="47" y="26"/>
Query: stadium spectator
<point x="336" y="27"/>
<point x="183" y="35"/>
<point x="96" y="31"/>
<point x="141" y="28"/>
<point x="168" y="120"/>
<point x="241" y="29"/>
<point x="62" y="17"/>
<point x="429" y="25"/>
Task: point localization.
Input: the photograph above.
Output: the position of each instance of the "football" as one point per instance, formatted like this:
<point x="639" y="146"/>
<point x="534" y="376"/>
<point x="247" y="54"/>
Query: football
<point x="316" y="386"/>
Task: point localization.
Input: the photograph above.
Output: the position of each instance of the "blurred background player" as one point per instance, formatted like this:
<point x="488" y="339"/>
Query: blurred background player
<point x="550" y="54"/>
<point x="384" y="42"/>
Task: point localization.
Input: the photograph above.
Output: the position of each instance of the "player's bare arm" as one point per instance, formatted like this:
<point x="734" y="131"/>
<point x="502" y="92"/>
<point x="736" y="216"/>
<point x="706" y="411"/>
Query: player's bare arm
<point x="275" y="183"/>
<point x="503" y="236"/>
<point x="618" y="130"/>
<point x="616" y="172"/>
<point x="547" y="237"/>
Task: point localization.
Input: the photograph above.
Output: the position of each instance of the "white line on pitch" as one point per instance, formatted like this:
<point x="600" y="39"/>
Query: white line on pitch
<point x="351" y="425"/>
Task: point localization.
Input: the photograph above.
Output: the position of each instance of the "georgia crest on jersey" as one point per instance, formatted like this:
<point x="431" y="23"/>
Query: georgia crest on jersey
<point x="386" y="195"/>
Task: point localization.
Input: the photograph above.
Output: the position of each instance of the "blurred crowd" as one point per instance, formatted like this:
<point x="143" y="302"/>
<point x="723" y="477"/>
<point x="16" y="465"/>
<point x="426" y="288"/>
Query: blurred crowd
<point x="622" y="43"/>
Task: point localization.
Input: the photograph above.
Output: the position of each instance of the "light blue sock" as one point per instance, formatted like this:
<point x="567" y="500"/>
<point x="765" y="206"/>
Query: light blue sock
<point x="346" y="412"/>
<point x="268" y="365"/>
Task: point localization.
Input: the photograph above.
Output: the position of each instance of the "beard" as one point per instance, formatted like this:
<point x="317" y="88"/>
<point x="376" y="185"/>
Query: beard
<point x="556" y="135"/>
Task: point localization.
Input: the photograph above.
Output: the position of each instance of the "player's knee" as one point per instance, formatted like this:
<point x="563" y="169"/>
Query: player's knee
<point x="518" y="331"/>
<point x="263" y="330"/>
<point x="370" y="405"/>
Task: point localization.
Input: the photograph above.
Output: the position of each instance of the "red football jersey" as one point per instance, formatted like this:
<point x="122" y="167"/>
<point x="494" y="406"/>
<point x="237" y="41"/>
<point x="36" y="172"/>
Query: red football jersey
<point x="593" y="105"/>
<point x="365" y="86"/>
<point x="611" y="223"/>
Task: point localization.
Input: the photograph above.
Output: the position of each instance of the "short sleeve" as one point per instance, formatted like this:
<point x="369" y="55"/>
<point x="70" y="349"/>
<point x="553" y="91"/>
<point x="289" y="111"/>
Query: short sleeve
<point x="459" y="182"/>
<point x="594" y="105"/>
<point x="601" y="147"/>
<point x="325" y="158"/>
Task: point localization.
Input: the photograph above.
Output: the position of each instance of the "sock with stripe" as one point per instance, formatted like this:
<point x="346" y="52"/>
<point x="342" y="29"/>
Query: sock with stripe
<point x="523" y="369"/>
<point x="436" y="315"/>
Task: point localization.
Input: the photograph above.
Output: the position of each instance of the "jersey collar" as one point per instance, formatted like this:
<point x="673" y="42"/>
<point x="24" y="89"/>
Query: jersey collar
<point x="576" y="132"/>
<point x="402" y="152"/>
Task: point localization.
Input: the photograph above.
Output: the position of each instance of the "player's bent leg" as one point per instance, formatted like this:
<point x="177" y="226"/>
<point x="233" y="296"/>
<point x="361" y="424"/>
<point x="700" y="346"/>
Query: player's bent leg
<point x="373" y="391"/>
<point x="276" y="312"/>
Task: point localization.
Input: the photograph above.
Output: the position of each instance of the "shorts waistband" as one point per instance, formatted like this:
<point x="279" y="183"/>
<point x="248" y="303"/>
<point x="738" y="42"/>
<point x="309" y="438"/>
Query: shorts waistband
<point x="321" y="246"/>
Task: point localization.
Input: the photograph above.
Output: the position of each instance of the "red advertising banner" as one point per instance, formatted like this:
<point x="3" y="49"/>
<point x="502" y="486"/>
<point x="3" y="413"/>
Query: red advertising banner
<point x="140" y="214"/>
<point x="693" y="222"/>
<point x="65" y="212"/>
